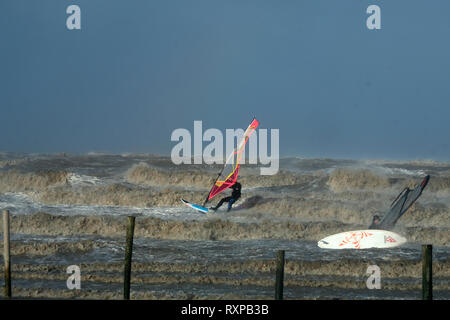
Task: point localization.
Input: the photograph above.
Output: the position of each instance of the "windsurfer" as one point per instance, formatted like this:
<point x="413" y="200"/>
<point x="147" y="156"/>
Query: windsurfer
<point x="235" y="195"/>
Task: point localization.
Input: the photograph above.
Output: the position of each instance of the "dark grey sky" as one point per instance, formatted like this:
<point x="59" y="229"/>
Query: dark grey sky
<point x="140" y="69"/>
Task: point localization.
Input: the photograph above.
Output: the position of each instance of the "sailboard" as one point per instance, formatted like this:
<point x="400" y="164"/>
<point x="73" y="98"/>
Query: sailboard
<point x="362" y="239"/>
<point x="195" y="206"/>
<point x="230" y="171"/>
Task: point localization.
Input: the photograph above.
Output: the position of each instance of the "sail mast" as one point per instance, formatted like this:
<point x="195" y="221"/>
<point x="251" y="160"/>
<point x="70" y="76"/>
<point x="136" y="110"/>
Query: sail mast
<point x="207" y="196"/>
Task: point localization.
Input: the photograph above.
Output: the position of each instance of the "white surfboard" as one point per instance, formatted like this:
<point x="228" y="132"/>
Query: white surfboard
<point x="362" y="239"/>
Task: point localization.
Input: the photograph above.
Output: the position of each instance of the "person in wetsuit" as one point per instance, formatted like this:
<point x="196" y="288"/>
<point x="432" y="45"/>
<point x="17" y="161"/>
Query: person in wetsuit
<point x="375" y="222"/>
<point x="235" y="195"/>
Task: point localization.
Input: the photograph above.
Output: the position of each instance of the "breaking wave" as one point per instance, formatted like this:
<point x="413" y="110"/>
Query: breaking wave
<point x="15" y="181"/>
<point x="146" y="175"/>
<point x="363" y="179"/>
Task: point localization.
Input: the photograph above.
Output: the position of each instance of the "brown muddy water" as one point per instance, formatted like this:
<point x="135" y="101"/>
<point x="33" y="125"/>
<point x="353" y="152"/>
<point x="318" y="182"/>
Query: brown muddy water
<point x="71" y="210"/>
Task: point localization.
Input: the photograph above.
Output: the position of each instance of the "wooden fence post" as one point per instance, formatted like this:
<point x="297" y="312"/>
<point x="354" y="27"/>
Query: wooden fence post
<point x="6" y="253"/>
<point x="128" y="255"/>
<point x="427" y="272"/>
<point x="279" y="276"/>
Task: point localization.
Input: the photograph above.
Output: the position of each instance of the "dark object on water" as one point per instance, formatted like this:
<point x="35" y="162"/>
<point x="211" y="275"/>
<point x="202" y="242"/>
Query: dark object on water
<point x="399" y="206"/>
<point x="376" y="220"/>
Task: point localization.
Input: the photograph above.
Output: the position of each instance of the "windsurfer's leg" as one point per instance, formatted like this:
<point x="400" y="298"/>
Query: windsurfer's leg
<point x="230" y="203"/>
<point x="226" y="199"/>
